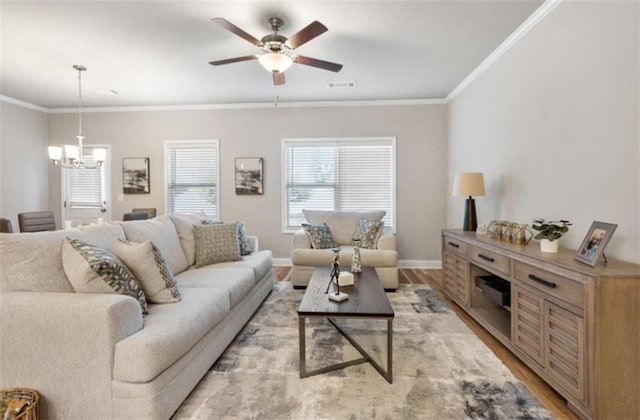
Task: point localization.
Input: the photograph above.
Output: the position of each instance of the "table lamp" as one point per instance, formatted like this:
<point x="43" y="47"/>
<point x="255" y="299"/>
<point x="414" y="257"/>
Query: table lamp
<point x="469" y="184"/>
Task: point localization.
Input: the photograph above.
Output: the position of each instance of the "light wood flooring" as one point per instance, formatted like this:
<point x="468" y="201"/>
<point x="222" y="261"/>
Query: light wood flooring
<point x="543" y="392"/>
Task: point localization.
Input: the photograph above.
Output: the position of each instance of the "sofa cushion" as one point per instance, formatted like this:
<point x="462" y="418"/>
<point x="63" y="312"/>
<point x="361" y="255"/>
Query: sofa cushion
<point x="169" y="332"/>
<point x="162" y="232"/>
<point x="368" y="232"/>
<point x="92" y="269"/>
<point x="33" y="261"/>
<point x="150" y="269"/>
<point x="260" y="262"/>
<point x="184" y="226"/>
<point x="320" y="236"/>
<point x="368" y="257"/>
<point x="342" y="224"/>
<point x="217" y="242"/>
<point x="237" y="281"/>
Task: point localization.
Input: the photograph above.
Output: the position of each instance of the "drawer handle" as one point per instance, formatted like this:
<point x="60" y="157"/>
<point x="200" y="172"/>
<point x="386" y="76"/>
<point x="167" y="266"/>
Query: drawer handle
<point x="542" y="281"/>
<point x="484" y="257"/>
<point x="453" y="244"/>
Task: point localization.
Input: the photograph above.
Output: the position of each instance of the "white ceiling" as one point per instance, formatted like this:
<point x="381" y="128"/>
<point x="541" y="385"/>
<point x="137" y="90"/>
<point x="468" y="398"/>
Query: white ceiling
<point x="157" y="52"/>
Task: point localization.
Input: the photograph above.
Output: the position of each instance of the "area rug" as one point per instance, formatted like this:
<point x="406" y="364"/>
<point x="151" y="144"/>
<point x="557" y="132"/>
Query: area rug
<point x="441" y="370"/>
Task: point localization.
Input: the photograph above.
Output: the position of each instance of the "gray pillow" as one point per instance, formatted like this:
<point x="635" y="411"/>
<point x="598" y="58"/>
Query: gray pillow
<point x="216" y="242"/>
<point x="150" y="269"/>
<point x="91" y="269"/>
<point x="320" y="236"/>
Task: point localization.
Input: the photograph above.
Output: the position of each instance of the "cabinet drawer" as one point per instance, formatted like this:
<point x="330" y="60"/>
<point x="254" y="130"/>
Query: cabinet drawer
<point x="563" y="288"/>
<point x="490" y="259"/>
<point x="456" y="246"/>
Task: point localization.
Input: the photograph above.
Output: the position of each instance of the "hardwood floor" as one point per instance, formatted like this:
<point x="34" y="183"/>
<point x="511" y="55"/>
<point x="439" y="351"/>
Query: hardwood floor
<point x="543" y="392"/>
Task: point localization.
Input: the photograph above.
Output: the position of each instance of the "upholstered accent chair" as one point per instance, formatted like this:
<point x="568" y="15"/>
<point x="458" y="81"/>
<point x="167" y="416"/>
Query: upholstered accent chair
<point x="382" y="255"/>
<point x="36" y="221"/>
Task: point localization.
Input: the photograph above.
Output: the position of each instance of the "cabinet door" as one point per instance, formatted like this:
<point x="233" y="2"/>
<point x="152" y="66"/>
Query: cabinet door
<point x="456" y="278"/>
<point x="528" y="323"/>
<point x="564" y="349"/>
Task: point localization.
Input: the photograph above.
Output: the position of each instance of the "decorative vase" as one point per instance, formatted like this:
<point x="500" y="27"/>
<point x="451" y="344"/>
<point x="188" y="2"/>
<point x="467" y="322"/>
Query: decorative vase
<point x="356" y="265"/>
<point x="548" y="246"/>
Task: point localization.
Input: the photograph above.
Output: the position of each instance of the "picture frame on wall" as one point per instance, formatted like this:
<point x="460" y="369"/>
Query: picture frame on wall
<point x="249" y="176"/>
<point x="595" y="242"/>
<point x="135" y="176"/>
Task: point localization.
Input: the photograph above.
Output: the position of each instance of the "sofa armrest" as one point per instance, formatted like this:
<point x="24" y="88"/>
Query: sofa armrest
<point x="301" y="240"/>
<point x="62" y="344"/>
<point x="253" y="243"/>
<point x="387" y="242"/>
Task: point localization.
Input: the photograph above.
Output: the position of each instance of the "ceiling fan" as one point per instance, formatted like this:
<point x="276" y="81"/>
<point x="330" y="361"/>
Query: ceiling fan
<point x="278" y="49"/>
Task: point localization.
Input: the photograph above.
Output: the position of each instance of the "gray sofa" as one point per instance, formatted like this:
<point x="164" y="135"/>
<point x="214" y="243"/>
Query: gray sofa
<point x="94" y="356"/>
<point x="305" y="259"/>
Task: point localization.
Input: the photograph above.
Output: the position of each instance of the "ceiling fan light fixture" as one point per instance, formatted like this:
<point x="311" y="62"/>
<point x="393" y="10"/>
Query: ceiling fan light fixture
<point x="275" y="61"/>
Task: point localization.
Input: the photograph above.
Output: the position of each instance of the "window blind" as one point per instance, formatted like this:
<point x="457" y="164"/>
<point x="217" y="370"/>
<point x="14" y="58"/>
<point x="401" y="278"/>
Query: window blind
<point x="338" y="174"/>
<point x="84" y="188"/>
<point x="192" y="177"/>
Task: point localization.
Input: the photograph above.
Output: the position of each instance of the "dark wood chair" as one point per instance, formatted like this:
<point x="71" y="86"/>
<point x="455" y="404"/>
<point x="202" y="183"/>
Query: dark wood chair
<point x="135" y="216"/>
<point x="5" y="226"/>
<point x="152" y="211"/>
<point x="36" y="221"/>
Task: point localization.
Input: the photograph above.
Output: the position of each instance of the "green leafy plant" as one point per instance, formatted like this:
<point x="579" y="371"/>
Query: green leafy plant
<point x="550" y="229"/>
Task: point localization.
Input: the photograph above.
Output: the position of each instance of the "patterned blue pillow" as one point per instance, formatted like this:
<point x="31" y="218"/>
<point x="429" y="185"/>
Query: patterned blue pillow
<point x="320" y="236"/>
<point x="368" y="232"/>
<point x="91" y="269"/>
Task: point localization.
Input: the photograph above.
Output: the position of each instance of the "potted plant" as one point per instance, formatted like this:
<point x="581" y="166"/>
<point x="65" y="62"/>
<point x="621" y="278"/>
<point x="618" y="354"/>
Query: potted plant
<point x="549" y="231"/>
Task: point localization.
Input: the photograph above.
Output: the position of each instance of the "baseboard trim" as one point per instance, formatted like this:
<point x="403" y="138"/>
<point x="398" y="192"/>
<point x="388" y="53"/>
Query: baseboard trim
<point x="426" y="264"/>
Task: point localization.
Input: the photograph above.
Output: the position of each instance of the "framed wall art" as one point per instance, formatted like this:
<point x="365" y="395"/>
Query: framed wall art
<point x="135" y="176"/>
<point x="595" y="242"/>
<point x="249" y="176"/>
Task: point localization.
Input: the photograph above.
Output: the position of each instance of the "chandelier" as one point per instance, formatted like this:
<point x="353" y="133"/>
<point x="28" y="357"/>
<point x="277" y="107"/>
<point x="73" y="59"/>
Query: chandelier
<point x="73" y="155"/>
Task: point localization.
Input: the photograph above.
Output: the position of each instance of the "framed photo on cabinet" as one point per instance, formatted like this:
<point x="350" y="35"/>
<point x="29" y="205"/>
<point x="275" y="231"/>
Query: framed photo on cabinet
<point x="595" y="242"/>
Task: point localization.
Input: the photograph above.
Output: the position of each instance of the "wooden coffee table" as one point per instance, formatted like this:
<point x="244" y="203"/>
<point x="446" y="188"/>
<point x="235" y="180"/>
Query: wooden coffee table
<point x="367" y="299"/>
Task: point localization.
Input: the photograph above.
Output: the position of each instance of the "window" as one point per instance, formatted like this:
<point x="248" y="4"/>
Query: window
<point x="192" y="177"/>
<point x="85" y="191"/>
<point x="338" y="174"/>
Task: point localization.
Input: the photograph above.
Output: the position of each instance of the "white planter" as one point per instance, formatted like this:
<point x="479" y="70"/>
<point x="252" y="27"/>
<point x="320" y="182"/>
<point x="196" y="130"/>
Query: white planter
<point x="548" y="246"/>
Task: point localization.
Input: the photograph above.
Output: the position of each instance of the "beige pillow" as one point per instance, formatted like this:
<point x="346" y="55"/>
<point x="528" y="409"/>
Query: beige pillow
<point x="91" y="269"/>
<point x="184" y="226"/>
<point x="216" y="243"/>
<point x="150" y="268"/>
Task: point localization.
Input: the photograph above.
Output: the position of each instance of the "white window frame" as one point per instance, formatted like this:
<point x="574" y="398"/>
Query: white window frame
<point x="346" y="140"/>
<point x="106" y="183"/>
<point x="167" y="144"/>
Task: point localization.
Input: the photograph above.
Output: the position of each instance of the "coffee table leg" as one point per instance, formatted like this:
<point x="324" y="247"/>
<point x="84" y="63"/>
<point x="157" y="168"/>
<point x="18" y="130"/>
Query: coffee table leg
<point x="390" y="350"/>
<point x="301" y="337"/>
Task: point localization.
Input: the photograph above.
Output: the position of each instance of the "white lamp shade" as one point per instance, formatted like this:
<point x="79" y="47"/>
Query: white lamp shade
<point x="55" y="153"/>
<point x="71" y="152"/>
<point x="468" y="184"/>
<point x="275" y="61"/>
<point x="99" y="155"/>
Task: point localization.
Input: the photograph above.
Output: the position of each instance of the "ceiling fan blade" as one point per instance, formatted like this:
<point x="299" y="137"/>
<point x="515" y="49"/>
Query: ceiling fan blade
<point x="278" y="78"/>
<point x="234" y="29"/>
<point x="233" y="60"/>
<point x="314" y="62"/>
<point x="306" y="34"/>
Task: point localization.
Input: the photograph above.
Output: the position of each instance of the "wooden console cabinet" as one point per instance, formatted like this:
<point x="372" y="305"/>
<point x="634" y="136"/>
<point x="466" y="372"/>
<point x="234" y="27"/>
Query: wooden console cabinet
<point x="577" y="326"/>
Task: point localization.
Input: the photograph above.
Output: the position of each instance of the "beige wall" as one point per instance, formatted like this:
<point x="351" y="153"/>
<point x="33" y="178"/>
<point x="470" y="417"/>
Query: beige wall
<point x="24" y="176"/>
<point x="420" y="133"/>
<point x="554" y="126"/>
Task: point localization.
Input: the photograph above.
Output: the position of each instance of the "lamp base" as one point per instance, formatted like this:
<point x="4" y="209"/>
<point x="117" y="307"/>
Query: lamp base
<point x="470" y="220"/>
<point x="338" y="297"/>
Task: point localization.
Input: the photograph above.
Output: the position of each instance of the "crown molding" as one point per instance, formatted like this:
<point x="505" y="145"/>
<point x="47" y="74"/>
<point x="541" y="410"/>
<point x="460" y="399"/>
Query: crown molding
<point x="23" y="104"/>
<point x="538" y="16"/>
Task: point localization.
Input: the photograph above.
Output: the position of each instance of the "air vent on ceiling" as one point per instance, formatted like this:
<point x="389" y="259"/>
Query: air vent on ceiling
<point x="343" y="85"/>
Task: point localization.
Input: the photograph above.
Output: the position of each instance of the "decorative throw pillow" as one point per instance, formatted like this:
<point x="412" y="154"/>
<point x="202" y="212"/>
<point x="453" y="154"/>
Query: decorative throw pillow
<point x="243" y="242"/>
<point x="320" y="236"/>
<point x="216" y="242"/>
<point x="91" y="269"/>
<point x="368" y="232"/>
<point x="150" y="269"/>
